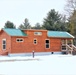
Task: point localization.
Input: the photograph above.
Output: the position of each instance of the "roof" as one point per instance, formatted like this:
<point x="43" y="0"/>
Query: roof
<point x="14" y="32"/>
<point x="59" y="34"/>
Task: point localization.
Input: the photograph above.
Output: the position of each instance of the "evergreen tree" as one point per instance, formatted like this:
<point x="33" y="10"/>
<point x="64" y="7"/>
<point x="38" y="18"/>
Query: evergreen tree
<point x="37" y="26"/>
<point x="25" y="25"/>
<point x="9" y="24"/>
<point x="21" y="27"/>
<point x="53" y="21"/>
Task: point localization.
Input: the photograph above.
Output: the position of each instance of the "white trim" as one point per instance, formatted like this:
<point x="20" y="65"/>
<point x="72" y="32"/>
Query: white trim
<point x="36" y="41"/>
<point x="4" y="39"/>
<point x="3" y="44"/>
<point x="19" y="39"/>
<point x="49" y="43"/>
<point x="70" y="35"/>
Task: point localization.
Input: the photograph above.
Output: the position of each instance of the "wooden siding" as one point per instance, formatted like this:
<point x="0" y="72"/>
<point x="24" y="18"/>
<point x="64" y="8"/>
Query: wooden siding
<point x="4" y="35"/>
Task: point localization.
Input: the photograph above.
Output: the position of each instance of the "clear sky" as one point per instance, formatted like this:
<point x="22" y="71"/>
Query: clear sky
<point x="35" y="10"/>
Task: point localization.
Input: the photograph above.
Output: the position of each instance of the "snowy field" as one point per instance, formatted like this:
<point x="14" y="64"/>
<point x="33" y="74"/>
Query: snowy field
<point x="40" y="65"/>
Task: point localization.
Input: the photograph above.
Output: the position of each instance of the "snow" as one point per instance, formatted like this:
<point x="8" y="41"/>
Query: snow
<point x="40" y="65"/>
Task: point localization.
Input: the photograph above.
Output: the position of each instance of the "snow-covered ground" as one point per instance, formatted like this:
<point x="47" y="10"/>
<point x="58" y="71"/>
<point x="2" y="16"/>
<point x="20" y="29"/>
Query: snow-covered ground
<point x="40" y="65"/>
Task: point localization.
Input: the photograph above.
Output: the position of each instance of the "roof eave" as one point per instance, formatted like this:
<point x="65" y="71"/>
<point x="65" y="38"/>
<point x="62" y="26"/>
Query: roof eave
<point x="18" y="36"/>
<point x="62" y="37"/>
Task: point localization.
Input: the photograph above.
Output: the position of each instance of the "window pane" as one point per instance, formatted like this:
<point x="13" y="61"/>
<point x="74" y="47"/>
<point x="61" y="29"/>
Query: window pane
<point x="47" y="41"/>
<point x="47" y="46"/>
<point x="35" y="41"/>
<point x="21" y="40"/>
<point x="4" y="42"/>
<point x="37" y="33"/>
<point x="4" y="46"/>
<point x="17" y="39"/>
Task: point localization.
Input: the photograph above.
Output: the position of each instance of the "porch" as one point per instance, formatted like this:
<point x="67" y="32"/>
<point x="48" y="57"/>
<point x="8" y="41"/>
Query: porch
<point x="68" y="47"/>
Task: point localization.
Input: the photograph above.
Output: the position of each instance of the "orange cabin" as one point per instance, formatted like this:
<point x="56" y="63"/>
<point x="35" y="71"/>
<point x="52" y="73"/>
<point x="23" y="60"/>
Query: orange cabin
<point x="14" y="41"/>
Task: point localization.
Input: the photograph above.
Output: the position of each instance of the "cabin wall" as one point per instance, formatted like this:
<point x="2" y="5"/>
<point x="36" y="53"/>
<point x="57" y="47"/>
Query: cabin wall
<point x="19" y="47"/>
<point x="55" y="44"/>
<point x="28" y="44"/>
<point x="40" y="46"/>
<point x="3" y="35"/>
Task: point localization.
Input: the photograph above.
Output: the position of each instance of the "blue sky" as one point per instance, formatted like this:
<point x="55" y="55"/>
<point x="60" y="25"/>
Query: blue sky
<point x="35" y="10"/>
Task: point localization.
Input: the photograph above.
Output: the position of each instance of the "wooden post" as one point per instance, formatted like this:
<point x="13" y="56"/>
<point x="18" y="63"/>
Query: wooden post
<point x="72" y="42"/>
<point x="66" y="47"/>
<point x="72" y="45"/>
<point x="66" y="41"/>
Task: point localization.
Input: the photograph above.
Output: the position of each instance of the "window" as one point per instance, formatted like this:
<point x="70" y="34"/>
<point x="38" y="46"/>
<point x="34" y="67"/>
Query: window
<point x="35" y="41"/>
<point x="47" y="43"/>
<point x="4" y="44"/>
<point x="19" y="40"/>
<point x="37" y="33"/>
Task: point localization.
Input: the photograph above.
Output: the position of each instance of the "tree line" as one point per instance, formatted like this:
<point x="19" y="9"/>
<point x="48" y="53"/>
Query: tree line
<point x="53" y="21"/>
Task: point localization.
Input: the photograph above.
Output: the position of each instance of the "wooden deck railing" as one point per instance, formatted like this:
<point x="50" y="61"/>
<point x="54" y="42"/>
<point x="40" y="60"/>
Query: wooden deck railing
<point x="74" y="47"/>
<point x="69" y="49"/>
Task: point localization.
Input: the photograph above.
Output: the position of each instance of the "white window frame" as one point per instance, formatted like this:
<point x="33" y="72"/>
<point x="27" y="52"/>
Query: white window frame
<point x="38" y="33"/>
<point x="19" y="39"/>
<point x="47" y="43"/>
<point x="35" y="41"/>
<point x="3" y="44"/>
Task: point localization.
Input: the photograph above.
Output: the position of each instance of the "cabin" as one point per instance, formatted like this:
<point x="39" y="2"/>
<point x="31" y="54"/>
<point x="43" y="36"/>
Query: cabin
<point x="16" y="41"/>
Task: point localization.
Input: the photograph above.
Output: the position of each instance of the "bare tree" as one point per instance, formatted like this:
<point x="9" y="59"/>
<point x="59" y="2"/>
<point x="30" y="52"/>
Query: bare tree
<point x="70" y="6"/>
<point x="71" y="10"/>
